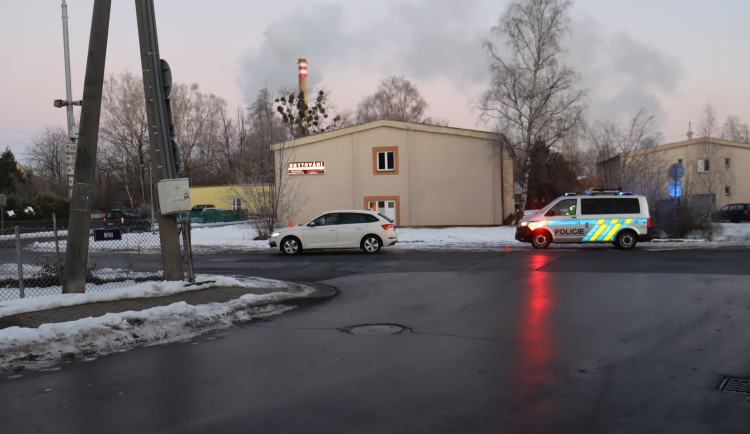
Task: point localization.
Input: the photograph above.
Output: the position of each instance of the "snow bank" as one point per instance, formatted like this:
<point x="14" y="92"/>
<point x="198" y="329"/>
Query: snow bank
<point x="456" y="237"/>
<point x="146" y="289"/>
<point x="87" y="337"/>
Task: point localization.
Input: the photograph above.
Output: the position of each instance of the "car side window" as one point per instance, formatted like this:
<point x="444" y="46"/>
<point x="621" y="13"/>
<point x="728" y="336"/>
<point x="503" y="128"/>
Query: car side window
<point x="564" y="207"/>
<point x="732" y="207"/>
<point x="369" y="218"/>
<point x="327" y="220"/>
<point x="351" y="218"/>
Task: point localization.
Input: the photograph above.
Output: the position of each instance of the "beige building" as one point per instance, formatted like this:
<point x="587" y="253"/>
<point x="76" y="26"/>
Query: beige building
<point x="419" y="175"/>
<point x="714" y="168"/>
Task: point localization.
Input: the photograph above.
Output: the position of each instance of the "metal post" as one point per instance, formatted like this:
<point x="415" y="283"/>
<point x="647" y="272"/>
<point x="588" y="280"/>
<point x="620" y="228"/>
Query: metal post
<point x="77" y="251"/>
<point x="189" y="248"/>
<point x="20" y="262"/>
<point x="57" y="245"/>
<point x="160" y="141"/>
<point x="151" y="186"/>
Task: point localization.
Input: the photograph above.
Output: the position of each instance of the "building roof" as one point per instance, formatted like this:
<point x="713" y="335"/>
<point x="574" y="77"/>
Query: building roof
<point x="390" y="124"/>
<point x="669" y="146"/>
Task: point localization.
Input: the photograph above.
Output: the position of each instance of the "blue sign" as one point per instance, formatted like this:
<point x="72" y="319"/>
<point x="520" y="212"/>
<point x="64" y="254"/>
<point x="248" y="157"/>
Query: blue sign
<point x="675" y="188"/>
<point x="676" y="171"/>
<point x="107" y="234"/>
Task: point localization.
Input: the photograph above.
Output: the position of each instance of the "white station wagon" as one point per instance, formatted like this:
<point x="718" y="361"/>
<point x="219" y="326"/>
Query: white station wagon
<point x="343" y="229"/>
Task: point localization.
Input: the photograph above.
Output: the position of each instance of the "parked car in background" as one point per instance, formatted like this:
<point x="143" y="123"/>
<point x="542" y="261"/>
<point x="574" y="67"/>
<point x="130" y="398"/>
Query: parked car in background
<point x="202" y="207"/>
<point x="346" y="229"/>
<point x="127" y="220"/>
<point x="735" y="213"/>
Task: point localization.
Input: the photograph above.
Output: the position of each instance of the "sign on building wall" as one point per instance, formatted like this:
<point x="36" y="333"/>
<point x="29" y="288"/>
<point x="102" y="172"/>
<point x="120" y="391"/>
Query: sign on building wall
<point x="307" y="168"/>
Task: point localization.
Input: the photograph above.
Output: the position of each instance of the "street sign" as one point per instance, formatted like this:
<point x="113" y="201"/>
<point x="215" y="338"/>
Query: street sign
<point x="107" y="234"/>
<point x="676" y="171"/>
<point x="675" y="188"/>
<point x="3" y="200"/>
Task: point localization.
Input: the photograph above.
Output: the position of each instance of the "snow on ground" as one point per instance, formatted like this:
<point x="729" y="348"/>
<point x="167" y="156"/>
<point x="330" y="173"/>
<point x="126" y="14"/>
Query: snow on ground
<point x="241" y="237"/>
<point x="91" y="337"/>
<point x="146" y="289"/>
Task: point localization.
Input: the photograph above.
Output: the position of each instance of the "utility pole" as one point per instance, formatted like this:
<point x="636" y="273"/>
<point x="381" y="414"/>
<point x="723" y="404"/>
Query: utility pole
<point x="77" y="252"/>
<point x="69" y="103"/>
<point x="163" y="153"/>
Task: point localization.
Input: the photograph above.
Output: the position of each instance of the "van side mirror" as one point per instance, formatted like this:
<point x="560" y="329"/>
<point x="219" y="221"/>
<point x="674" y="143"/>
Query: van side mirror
<point x="550" y="213"/>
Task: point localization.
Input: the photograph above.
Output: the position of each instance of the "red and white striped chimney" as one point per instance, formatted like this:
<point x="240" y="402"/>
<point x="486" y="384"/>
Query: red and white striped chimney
<point x="303" y="77"/>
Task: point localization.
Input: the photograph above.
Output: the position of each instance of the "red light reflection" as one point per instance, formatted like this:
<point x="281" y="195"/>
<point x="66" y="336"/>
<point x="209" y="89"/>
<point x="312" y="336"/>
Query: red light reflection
<point x="535" y="328"/>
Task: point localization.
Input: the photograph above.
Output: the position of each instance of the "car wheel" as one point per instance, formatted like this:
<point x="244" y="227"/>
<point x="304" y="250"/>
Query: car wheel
<point x="541" y="239"/>
<point x="291" y="246"/>
<point x="371" y="244"/>
<point x="626" y="240"/>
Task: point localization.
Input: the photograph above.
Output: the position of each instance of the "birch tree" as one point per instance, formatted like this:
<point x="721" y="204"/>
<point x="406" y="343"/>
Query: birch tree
<point x="534" y="97"/>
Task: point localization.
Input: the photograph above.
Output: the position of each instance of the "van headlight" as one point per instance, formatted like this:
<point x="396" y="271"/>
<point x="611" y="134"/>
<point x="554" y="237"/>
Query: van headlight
<point x="274" y="235"/>
<point x="524" y="224"/>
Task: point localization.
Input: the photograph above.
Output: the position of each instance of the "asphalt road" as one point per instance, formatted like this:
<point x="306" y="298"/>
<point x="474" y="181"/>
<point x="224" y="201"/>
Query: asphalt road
<point x="590" y="341"/>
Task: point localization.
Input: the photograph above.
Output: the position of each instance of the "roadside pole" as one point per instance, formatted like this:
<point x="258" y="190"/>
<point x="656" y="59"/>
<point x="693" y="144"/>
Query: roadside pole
<point x="162" y="159"/>
<point x="77" y="251"/>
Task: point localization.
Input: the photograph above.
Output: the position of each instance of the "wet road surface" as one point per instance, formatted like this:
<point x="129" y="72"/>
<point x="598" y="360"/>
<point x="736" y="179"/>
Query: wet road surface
<point x="524" y="342"/>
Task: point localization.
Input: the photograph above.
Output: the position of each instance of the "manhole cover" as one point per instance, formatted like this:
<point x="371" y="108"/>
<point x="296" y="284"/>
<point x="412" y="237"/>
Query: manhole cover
<point x="374" y="329"/>
<point x="735" y="385"/>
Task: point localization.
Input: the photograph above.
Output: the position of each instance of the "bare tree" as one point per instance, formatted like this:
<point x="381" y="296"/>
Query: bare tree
<point x="47" y="156"/>
<point x="712" y="174"/>
<point x="735" y="131"/>
<point x="708" y="125"/>
<point x="533" y="97"/>
<point x="615" y="150"/>
<point x="396" y="99"/>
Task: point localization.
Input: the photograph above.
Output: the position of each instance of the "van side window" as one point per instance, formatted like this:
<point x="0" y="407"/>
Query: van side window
<point x="597" y="206"/>
<point x="564" y="207"/>
<point x="627" y="206"/>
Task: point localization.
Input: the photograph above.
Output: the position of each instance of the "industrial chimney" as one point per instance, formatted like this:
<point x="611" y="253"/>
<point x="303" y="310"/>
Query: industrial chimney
<point x="303" y="77"/>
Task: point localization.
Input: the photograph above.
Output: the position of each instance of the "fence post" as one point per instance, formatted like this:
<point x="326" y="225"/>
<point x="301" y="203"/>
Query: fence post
<point x="20" y="262"/>
<point x="57" y="248"/>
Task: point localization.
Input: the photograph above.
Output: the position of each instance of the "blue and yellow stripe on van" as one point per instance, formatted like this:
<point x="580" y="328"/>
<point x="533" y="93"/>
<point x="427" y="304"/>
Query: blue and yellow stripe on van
<point x="606" y="229"/>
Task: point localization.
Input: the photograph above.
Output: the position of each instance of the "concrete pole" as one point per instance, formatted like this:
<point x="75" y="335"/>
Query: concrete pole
<point x="20" y="262"/>
<point x="77" y="252"/>
<point x="169" y="233"/>
<point x="68" y="88"/>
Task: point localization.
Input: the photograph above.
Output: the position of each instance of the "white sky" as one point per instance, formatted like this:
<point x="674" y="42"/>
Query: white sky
<point x="671" y="56"/>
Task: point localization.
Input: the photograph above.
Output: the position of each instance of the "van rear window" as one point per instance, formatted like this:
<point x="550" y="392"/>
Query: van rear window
<point x="610" y="206"/>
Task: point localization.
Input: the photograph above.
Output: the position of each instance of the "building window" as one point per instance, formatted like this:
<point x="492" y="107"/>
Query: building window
<point x="236" y="203"/>
<point x="726" y="162"/>
<point x="679" y="161"/>
<point x="385" y="160"/>
<point x="726" y="189"/>
<point x="703" y="165"/>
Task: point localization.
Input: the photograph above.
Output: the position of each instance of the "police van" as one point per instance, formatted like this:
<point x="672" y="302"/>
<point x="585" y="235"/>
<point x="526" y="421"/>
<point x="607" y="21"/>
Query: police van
<point x="599" y="216"/>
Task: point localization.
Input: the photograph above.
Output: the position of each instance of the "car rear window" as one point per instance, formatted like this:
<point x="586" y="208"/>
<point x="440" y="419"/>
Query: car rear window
<point x="113" y="214"/>
<point x="610" y="206"/>
<point x="389" y="220"/>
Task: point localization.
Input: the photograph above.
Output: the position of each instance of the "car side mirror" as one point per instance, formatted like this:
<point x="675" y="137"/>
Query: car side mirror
<point x="311" y="224"/>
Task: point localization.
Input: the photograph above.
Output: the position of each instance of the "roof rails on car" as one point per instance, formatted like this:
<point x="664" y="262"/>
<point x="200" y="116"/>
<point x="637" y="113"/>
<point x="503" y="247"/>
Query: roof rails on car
<point x="608" y="192"/>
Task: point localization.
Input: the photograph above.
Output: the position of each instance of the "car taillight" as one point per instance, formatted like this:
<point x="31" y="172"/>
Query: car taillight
<point x="649" y="223"/>
<point x="745" y="212"/>
<point x="122" y="219"/>
<point x="386" y="227"/>
<point x="105" y="219"/>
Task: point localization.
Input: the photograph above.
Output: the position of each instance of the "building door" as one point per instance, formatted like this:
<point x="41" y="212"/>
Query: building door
<point x="384" y="207"/>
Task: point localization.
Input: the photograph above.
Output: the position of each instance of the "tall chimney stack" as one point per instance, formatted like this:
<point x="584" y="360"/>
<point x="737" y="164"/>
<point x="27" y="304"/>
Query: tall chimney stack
<point x="303" y="77"/>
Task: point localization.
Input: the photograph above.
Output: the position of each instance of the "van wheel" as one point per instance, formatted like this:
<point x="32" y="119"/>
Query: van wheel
<point x="626" y="240"/>
<point x="371" y="244"/>
<point x="291" y="246"/>
<point x="541" y="239"/>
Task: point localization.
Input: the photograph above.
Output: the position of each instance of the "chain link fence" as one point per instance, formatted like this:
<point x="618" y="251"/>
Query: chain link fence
<point x="32" y="258"/>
